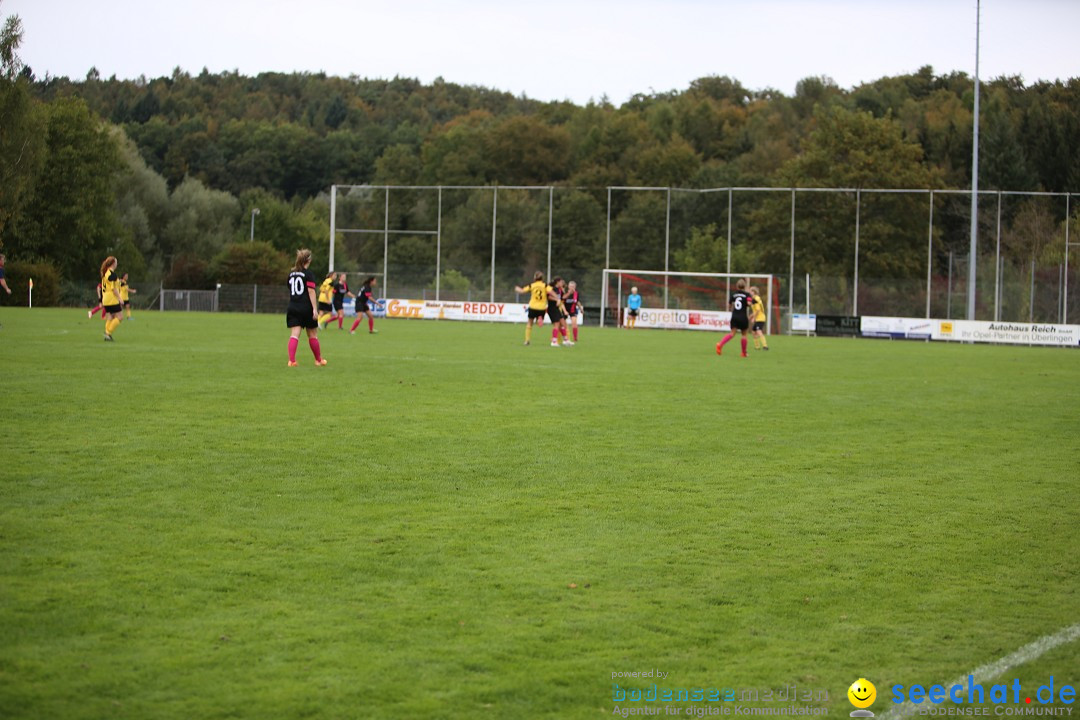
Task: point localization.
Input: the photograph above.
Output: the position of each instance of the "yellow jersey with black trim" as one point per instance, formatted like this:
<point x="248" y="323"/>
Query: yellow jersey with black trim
<point x="124" y="291"/>
<point x="758" y="310"/>
<point x="110" y="289"/>
<point x="326" y="290"/>
<point x="538" y="295"/>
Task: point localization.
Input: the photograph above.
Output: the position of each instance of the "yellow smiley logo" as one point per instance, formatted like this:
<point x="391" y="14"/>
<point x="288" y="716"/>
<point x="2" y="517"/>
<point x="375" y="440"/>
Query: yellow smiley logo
<point x="862" y="693"/>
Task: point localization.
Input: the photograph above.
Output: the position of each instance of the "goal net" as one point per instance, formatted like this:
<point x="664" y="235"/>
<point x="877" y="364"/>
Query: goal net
<point x="681" y="300"/>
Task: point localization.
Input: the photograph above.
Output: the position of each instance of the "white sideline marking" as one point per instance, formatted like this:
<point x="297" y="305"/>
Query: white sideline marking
<point x="990" y="671"/>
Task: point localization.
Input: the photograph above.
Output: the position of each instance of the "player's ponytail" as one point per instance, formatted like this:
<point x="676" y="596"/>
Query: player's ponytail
<point x="107" y="265"/>
<point x="303" y="257"/>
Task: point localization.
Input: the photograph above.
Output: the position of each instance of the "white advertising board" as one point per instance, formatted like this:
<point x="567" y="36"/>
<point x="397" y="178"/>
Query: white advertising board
<point x="801" y="322"/>
<point x="657" y="318"/>
<point x="1007" y="332"/>
<point x="447" y="310"/>
<point x="896" y="327"/>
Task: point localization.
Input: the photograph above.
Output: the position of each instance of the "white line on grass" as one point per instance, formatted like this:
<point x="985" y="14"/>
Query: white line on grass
<point x="990" y="671"/>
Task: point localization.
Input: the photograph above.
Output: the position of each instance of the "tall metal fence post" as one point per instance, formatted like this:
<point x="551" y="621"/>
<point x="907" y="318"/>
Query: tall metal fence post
<point x="997" y="264"/>
<point x="255" y="299"/>
<point x="607" y="241"/>
<point x="386" y="245"/>
<point x="1031" y="295"/>
<point x="494" y="225"/>
<point x="438" y="248"/>
<point x="161" y="297"/>
<point x="729" y="209"/>
<point x="855" y="295"/>
<point x="948" y="292"/>
<point x="551" y="213"/>
<point x="929" y="255"/>
<point x="1068" y="221"/>
<point x="791" y="269"/>
<point x="667" y="245"/>
<point x="333" y="219"/>
<point x="1059" y="306"/>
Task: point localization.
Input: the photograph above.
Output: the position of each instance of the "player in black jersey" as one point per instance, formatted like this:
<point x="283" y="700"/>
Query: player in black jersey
<point x="739" y="305"/>
<point x="341" y="291"/>
<point x="570" y="300"/>
<point x="365" y="299"/>
<point x="557" y="313"/>
<point x="302" y="311"/>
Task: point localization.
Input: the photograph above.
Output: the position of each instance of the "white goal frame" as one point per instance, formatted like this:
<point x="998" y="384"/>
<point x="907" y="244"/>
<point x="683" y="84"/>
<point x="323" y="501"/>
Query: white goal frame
<point x="666" y="274"/>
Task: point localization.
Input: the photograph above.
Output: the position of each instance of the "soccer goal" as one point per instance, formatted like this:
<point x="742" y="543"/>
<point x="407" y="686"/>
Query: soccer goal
<point x="681" y="300"/>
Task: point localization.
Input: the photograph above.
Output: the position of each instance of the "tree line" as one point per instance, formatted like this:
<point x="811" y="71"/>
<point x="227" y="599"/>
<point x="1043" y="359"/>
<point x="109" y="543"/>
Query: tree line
<point x="164" y="173"/>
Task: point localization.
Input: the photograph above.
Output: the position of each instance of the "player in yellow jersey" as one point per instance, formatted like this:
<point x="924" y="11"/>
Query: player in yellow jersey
<point x="110" y="297"/>
<point x="125" y="291"/>
<point x="757" y="319"/>
<point x="326" y="299"/>
<point x="538" y="301"/>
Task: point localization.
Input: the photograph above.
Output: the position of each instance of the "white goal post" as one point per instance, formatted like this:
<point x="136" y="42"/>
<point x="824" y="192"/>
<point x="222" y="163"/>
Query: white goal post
<point x="706" y="292"/>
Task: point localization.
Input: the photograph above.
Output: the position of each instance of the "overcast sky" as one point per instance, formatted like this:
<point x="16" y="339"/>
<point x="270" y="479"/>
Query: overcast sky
<point x="560" y="49"/>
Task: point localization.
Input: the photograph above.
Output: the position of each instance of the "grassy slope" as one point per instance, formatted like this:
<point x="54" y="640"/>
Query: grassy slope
<point x="834" y="509"/>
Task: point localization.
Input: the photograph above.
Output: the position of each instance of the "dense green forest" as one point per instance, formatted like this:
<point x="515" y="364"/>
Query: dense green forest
<point x="165" y="172"/>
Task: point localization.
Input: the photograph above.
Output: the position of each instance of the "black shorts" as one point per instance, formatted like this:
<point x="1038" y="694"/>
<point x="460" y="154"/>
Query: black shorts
<point x="300" y="318"/>
<point x="633" y="313"/>
<point x="740" y="323"/>
<point x="361" y="309"/>
<point x="114" y="309"/>
<point x="554" y="313"/>
<point x="127" y="303"/>
<point x="325" y="307"/>
<point x="534" y="314"/>
<point x="758" y="326"/>
<point x="339" y="306"/>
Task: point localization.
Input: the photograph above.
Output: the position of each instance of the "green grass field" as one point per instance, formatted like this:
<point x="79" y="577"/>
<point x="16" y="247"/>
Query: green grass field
<point x="442" y="523"/>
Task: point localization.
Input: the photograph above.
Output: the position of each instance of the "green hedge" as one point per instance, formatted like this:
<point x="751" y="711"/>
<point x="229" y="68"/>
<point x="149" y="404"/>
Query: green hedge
<point x="46" y="283"/>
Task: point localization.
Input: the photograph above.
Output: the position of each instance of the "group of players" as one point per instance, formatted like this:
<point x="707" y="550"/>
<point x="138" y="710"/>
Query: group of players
<point x="114" y="297"/>
<point x="332" y="293"/>
<point x="308" y="312"/>
<point x="747" y="313"/>
<point x="559" y="301"/>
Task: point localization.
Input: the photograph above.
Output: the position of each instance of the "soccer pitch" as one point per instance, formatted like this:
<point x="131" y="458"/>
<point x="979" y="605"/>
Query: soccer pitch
<point x="442" y="523"/>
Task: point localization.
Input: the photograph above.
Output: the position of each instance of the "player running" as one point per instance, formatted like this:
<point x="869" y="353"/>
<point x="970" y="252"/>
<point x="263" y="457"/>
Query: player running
<point x="739" y="305"/>
<point x="341" y="291"/>
<point x="573" y="306"/>
<point x="633" y="307"/>
<point x="91" y="313"/>
<point x="364" y="300"/>
<point x="110" y="297"/>
<point x="124" y="294"/>
<point x="538" y="302"/>
<point x="302" y="311"/>
<point x="757" y="317"/>
<point x="326" y="299"/>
